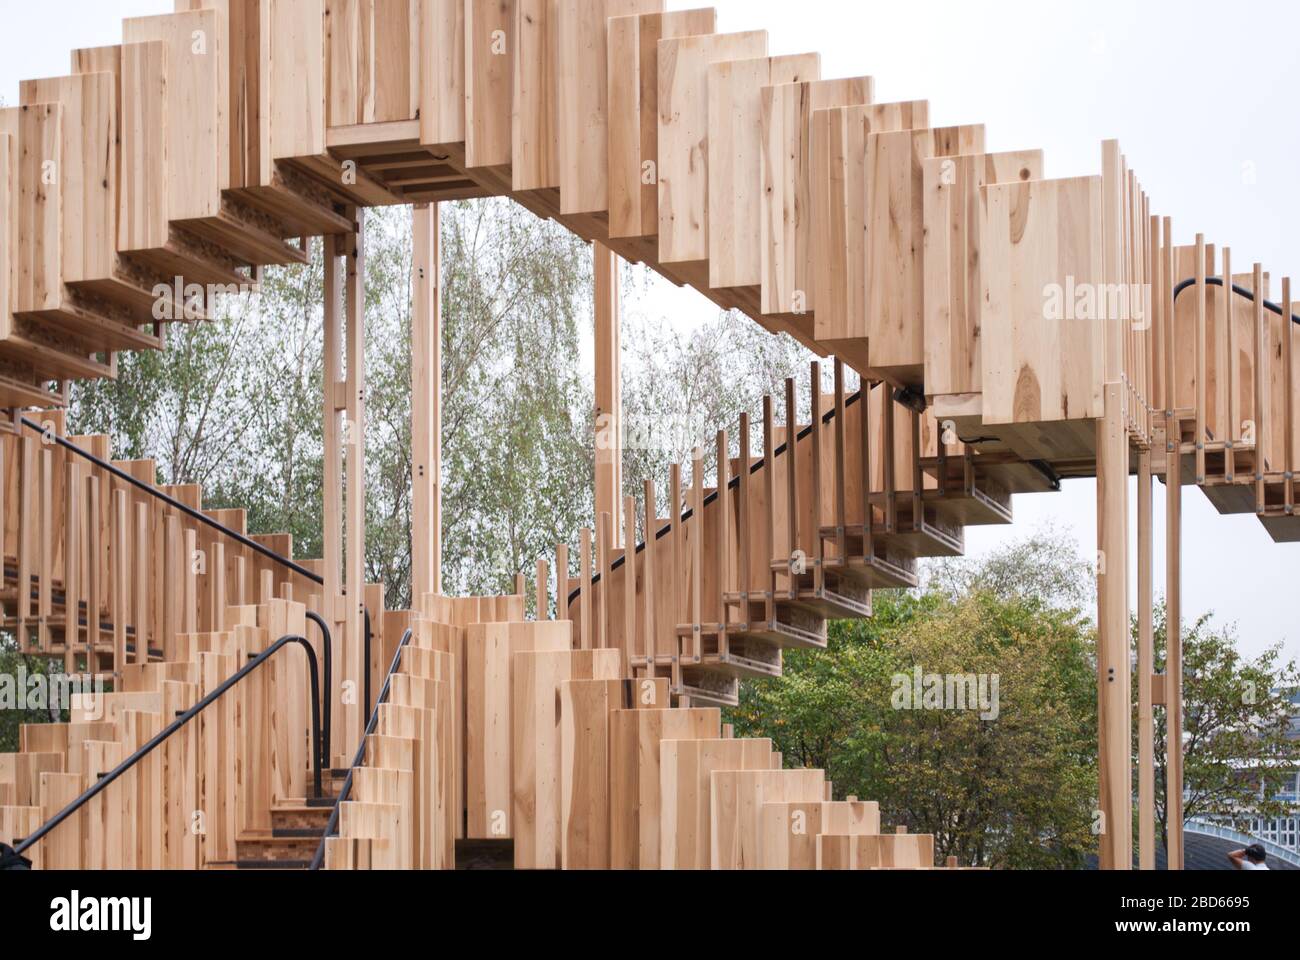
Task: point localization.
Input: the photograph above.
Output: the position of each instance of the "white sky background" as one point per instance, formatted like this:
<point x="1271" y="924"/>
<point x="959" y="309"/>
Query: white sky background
<point x="1201" y="98"/>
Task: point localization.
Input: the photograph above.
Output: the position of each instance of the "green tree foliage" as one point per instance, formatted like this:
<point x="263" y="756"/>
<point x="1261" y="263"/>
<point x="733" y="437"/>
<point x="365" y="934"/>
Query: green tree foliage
<point x="236" y="404"/>
<point x="1236" y="726"/>
<point x="1015" y="792"/>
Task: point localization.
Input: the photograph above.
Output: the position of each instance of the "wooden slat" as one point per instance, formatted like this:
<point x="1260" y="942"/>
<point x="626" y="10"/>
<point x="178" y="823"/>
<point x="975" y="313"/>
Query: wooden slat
<point x="1036" y="369"/>
<point x="489" y="26"/>
<point x="633" y="120"/>
<point x="839" y="178"/>
<point x="953" y="263"/>
<point x="442" y="72"/>
<point x="736" y="162"/>
<point x="87" y="170"/>
<point x="534" y="119"/>
<point x="683" y="137"/>
<point x="786" y="237"/>
<point x="197" y="129"/>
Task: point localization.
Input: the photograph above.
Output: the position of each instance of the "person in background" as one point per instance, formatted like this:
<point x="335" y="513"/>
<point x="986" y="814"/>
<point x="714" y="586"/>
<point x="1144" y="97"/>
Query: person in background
<point x="1252" y="858"/>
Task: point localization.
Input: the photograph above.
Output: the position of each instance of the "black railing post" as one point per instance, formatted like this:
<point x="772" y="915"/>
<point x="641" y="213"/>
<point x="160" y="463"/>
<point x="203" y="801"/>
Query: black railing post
<point x="327" y="702"/>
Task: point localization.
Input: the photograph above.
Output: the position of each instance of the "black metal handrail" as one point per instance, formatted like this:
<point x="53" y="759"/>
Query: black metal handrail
<point x="175" y="504"/>
<point x="1239" y="290"/>
<point x="239" y="538"/>
<point x="327" y="702"/>
<point x="107" y="779"/>
<point x="330" y="828"/>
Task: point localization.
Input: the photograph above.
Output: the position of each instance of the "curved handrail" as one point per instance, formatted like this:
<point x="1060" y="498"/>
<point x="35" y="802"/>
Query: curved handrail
<point x="319" y="859"/>
<point x="327" y="648"/>
<point x="175" y="504"/>
<point x="105" y="781"/>
<point x="1239" y="290"/>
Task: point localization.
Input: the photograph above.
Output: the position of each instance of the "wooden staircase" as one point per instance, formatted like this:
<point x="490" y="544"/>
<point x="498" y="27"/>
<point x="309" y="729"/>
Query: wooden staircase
<point x="220" y="139"/>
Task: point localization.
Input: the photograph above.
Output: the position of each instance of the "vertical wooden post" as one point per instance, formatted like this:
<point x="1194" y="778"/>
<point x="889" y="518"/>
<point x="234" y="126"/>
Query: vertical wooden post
<point x="609" y="390"/>
<point x="354" y="584"/>
<point x="586" y="632"/>
<point x="332" y="485"/>
<point x="73" y="494"/>
<point x="141" y="557"/>
<point x="1202" y="373"/>
<point x="1288" y="377"/>
<point x="94" y="557"/>
<point x="629" y="582"/>
<point x="543" y="591"/>
<point x="121" y="578"/>
<point x="1263" y="390"/>
<point x="651" y="546"/>
<point x="1113" y="665"/>
<point x="562" y="582"/>
<point x="1174" y="659"/>
<point x="426" y="404"/>
<point x="1146" y="669"/>
<point x="27" y="518"/>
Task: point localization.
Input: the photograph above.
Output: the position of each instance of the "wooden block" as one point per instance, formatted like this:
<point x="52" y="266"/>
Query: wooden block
<point x="633" y="121"/>
<point x="87" y="171"/>
<point x="451" y="641"/>
<point x="735" y="136"/>
<point x="442" y="72"/>
<point x="684" y="137"/>
<point x="839" y="184"/>
<point x="635" y="810"/>
<point x="582" y="97"/>
<point x="685" y="781"/>
<point x="786" y="228"/>
<point x="895" y="316"/>
<point x="889" y="852"/>
<point x="536" y="755"/>
<point x="291" y="84"/>
<point x="437" y="696"/>
<point x="38" y="276"/>
<point x="378" y="823"/>
<point x="8" y="226"/>
<point x="489" y="663"/>
<point x="371" y="61"/>
<point x="585" y="706"/>
<point x="952" y="264"/>
<point x="736" y="801"/>
<point x="790" y="830"/>
<point x="62" y="849"/>
<point x="103" y="818"/>
<point x="489" y="62"/>
<point x="534" y="147"/>
<point x="1042" y="362"/>
<point x="427" y="815"/>
<point x="198" y="163"/>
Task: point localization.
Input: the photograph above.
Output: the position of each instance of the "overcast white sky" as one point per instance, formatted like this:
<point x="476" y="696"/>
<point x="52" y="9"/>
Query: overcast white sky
<point x="1201" y="98"/>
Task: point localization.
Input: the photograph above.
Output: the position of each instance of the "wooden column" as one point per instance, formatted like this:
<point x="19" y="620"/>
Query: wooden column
<point x="609" y="389"/>
<point x="1146" y="669"/>
<point x="426" y="403"/>
<point x="1174" y="653"/>
<point x="354" y="569"/>
<point x="1114" y="723"/>
<point x="332" y="564"/>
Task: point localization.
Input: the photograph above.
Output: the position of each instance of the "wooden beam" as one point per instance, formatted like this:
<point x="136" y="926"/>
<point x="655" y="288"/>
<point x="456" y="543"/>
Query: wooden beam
<point x="1146" y="669"/>
<point x="1113" y="664"/>
<point x="426" y="404"/>
<point x="609" y="389"/>
<point x="1173" y="685"/>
